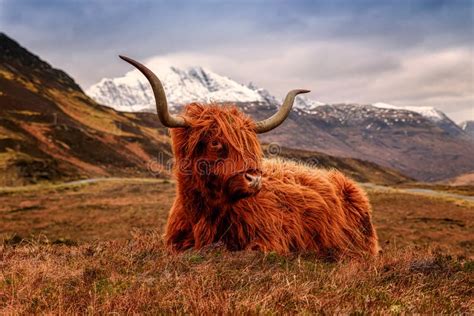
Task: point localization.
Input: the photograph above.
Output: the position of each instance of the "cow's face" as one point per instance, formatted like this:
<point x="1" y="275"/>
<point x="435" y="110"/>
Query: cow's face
<point x="220" y="151"/>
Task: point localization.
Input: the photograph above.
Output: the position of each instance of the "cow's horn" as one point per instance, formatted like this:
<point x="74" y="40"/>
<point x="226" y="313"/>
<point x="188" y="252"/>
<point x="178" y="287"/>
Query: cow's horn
<point x="278" y="118"/>
<point x="166" y="118"/>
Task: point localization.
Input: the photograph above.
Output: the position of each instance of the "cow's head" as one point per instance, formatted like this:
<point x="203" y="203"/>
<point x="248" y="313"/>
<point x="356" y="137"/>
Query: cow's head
<point x="216" y="146"/>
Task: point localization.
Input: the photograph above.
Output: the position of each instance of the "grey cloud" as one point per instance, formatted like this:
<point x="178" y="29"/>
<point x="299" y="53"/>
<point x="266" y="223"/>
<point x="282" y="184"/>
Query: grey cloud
<point x="360" y="51"/>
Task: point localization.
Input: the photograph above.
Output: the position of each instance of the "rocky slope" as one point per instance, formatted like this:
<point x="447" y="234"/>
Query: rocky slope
<point x="421" y="142"/>
<point x="51" y="131"/>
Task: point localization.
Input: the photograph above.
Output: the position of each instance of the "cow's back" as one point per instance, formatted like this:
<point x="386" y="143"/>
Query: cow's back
<point x="345" y="203"/>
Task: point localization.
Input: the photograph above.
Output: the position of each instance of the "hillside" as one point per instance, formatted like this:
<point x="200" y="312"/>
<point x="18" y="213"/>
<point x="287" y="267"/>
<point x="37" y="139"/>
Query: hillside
<point x="51" y="131"/>
<point x="421" y="142"/>
<point x="463" y="179"/>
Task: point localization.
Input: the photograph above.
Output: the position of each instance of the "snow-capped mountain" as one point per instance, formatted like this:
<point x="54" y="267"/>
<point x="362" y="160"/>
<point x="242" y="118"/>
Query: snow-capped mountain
<point x="307" y="105"/>
<point x="132" y="93"/>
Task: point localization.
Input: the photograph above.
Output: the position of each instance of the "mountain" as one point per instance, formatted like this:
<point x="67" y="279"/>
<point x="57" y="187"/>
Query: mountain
<point x="421" y="142"/>
<point x="51" y="131"/>
<point x="406" y="141"/>
<point x="132" y="93"/>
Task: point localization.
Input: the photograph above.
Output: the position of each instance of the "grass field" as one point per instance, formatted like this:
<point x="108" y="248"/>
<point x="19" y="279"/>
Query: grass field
<point x="97" y="248"/>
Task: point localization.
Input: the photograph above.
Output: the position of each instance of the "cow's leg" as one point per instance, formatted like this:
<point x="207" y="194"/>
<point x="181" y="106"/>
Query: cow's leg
<point x="179" y="233"/>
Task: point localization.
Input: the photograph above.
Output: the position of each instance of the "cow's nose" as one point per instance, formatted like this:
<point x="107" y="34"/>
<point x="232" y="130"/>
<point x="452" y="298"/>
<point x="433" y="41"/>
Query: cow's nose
<point x="254" y="181"/>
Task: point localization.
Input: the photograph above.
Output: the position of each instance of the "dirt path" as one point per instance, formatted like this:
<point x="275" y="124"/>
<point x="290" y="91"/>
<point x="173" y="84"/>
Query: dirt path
<point x="36" y="187"/>
<point x="426" y="192"/>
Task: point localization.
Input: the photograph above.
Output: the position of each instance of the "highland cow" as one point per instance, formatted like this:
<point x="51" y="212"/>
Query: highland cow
<point x="228" y="193"/>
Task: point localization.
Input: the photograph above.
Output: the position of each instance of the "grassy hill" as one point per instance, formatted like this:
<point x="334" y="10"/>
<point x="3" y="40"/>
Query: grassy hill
<point x="51" y="131"/>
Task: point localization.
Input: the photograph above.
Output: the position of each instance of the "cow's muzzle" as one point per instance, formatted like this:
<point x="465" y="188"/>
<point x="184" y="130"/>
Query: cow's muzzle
<point x="254" y="180"/>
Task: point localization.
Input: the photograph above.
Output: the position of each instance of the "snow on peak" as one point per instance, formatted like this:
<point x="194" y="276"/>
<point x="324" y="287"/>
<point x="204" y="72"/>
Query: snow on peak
<point x="426" y="111"/>
<point x="132" y="92"/>
<point x="306" y="104"/>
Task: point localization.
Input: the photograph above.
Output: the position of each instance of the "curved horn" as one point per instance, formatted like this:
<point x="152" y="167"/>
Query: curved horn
<point x="166" y="118"/>
<point x="278" y="118"/>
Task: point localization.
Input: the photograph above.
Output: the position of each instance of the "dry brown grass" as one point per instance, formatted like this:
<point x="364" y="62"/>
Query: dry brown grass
<point x="139" y="276"/>
<point x="62" y="268"/>
<point x="406" y="220"/>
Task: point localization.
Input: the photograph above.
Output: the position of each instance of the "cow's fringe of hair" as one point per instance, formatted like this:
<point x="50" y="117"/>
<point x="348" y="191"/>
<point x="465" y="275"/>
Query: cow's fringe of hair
<point x="220" y="121"/>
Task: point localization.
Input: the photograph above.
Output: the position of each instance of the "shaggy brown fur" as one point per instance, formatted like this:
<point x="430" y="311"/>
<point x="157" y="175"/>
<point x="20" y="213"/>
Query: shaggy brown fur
<point x="297" y="208"/>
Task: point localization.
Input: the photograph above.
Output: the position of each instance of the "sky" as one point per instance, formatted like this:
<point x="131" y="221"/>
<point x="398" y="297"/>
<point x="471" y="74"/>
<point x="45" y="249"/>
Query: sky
<point x="407" y="53"/>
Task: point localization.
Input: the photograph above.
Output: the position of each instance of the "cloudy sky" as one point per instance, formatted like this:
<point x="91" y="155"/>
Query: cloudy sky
<point x="402" y="52"/>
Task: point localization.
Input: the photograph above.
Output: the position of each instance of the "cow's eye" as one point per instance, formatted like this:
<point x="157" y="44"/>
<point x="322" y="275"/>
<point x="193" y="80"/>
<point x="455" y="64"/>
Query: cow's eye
<point x="223" y="151"/>
<point x="216" y="145"/>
